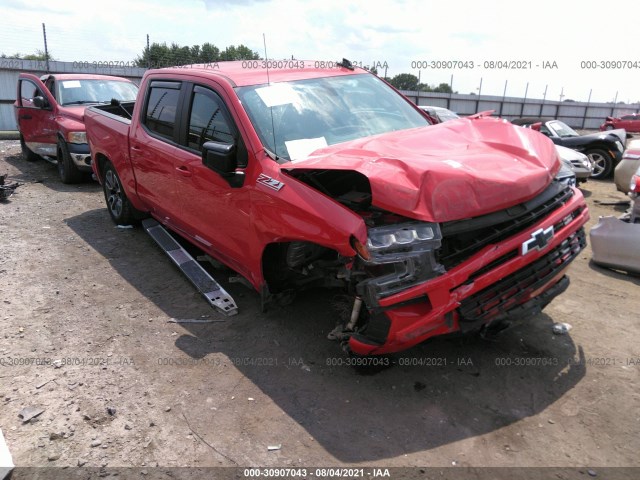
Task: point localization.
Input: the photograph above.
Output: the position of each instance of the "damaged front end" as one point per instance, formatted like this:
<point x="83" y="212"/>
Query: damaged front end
<point x="412" y="280"/>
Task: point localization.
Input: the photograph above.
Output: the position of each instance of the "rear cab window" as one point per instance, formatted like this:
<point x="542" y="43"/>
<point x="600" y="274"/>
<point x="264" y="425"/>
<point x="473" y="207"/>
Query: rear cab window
<point x="160" y="113"/>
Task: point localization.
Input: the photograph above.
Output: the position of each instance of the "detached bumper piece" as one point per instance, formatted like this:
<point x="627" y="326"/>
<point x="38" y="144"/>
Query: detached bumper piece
<point x="217" y="297"/>
<point x="519" y="288"/>
<point x="616" y="244"/>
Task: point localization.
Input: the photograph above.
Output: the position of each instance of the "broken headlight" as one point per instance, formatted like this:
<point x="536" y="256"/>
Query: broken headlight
<point x="399" y="256"/>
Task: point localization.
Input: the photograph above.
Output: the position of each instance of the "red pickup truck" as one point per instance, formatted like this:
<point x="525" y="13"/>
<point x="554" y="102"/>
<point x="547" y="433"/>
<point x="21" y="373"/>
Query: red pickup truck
<point x="303" y="176"/>
<point x="49" y="112"/>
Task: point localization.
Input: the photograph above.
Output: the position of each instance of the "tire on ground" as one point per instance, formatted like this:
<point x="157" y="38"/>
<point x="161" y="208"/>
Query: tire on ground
<point x="118" y="205"/>
<point x="67" y="170"/>
<point x="603" y="163"/>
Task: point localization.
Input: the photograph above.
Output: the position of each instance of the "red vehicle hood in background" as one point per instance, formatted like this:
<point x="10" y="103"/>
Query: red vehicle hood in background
<point x="450" y="171"/>
<point x="75" y="112"/>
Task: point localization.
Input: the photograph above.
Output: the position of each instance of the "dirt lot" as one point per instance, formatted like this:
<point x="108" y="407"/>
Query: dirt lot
<point x="75" y="288"/>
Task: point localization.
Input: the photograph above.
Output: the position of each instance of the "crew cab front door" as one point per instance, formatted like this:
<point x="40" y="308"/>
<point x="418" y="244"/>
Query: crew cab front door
<point x="215" y="214"/>
<point x="36" y="122"/>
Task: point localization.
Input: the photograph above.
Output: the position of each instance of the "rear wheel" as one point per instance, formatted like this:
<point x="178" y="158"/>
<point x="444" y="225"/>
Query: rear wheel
<point x="26" y="153"/>
<point x="120" y="209"/>
<point x="67" y="170"/>
<point x="602" y="163"/>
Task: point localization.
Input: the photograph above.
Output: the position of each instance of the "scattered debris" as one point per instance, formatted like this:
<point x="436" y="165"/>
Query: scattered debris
<point x="195" y="320"/>
<point x="42" y="384"/>
<point x="124" y="227"/>
<point x="616" y="203"/>
<point x="27" y="413"/>
<point x="82" y="462"/>
<point x="128" y="427"/>
<point x="57" y="363"/>
<point x="96" y="443"/>
<point x="592" y="473"/>
<point x="168" y="409"/>
<point x="7" y="189"/>
<point x="551" y="421"/>
<point x="53" y="457"/>
<point x="561" y="328"/>
<point x="111" y="411"/>
<point x="272" y="448"/>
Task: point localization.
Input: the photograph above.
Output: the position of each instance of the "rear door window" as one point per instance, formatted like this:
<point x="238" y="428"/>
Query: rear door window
<point x="161" y="109"/>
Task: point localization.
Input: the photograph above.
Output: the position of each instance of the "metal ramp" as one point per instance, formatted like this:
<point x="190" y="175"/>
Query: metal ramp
<point x="217" y="297"/>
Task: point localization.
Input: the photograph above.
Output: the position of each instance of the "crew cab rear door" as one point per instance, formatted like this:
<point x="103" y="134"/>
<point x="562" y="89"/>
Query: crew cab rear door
<point x="214" y="213"/>
<point x="152" y="146"/>
<point x="36" y="122"/>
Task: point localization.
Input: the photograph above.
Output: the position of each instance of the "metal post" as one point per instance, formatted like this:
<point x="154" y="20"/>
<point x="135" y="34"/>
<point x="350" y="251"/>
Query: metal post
<point x="148" y="53"/>
<point x="479" y="93"/>
<point x="451" y="87"/>
<point x="504" y="94"/>
<point x="544" y="97"/>
<point x="524" y="100"/>
<point x="613" y="109"/>
<point x="46" y="49"/>
<point x="586" y="109"/>
<point x="558" y="105"/>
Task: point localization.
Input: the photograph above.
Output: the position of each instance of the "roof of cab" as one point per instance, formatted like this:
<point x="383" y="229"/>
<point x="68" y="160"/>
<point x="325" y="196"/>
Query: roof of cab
<point x="242" y="73"/>
<point x="82" y="76"/>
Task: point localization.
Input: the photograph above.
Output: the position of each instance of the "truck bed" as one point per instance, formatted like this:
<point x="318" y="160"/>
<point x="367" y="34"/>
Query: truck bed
<point x="119" y="110"/>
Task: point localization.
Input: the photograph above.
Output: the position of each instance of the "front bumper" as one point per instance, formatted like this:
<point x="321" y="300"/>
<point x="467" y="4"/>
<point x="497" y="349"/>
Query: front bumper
<point x="490" y="285"/>
<point x="81" y="155"/>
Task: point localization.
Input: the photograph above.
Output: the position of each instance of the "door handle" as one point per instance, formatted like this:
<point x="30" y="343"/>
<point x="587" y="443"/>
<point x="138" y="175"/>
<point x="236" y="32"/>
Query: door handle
<point x="25" y="117"/>
<point x="184" y="171"/>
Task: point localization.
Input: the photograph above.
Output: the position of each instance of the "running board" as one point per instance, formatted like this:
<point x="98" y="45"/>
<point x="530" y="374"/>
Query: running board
<point x="217" y="297"/>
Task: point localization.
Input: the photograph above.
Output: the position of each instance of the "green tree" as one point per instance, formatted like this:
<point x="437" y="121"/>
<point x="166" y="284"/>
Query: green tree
<point x="405" y="81"/>
<point x="163" y="55"/>
<point x="39" y="55"/>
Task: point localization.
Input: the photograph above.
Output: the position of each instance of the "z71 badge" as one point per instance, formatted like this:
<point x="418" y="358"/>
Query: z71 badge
<point x="270" y="182"/>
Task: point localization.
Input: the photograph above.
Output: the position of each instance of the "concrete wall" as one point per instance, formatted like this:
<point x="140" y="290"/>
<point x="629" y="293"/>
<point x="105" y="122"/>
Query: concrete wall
<point x="580" y="115"/>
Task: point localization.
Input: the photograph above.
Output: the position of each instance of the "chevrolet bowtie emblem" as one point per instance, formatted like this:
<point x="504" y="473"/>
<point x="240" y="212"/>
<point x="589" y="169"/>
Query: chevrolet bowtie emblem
<point x="539" y="239"/>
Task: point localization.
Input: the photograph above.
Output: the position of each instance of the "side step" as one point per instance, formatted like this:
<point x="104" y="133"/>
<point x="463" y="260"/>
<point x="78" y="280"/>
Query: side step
<point x="217" y="297"/>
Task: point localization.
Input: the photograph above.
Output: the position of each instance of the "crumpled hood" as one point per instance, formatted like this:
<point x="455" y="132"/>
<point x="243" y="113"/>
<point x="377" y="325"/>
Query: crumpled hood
<point x="450" y="171"/>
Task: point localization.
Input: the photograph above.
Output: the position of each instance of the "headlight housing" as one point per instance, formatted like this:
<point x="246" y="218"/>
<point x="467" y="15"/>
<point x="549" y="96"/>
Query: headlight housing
<point x="399" y="256"/>
<point x="77" y="137"/>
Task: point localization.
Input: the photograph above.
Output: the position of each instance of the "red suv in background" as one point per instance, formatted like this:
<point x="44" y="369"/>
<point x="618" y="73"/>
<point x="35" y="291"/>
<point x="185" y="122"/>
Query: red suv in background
<point x="50" y="116"/>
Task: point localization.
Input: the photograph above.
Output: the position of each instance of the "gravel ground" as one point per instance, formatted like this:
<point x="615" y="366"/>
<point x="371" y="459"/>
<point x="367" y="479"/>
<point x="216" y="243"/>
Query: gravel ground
<point x="85" y="310"/>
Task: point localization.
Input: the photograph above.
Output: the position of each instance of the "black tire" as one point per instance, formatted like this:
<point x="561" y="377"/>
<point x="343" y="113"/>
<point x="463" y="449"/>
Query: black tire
<point x="27" y="154"/>
<point x="118" y="205"/>
<point x="602" y="163"/>
<point x="67" y="170"/>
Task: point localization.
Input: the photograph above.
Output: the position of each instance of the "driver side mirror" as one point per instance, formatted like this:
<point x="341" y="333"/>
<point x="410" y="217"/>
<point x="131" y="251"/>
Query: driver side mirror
<point x="40" y="102"/>
<point x="222" y="159"/>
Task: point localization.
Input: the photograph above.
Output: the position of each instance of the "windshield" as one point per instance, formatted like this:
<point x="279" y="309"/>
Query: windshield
<point x="80" y="92"/>
<point x="562" y="129"/>
<point x="445" y="115"/>
<point x="295" y="118"/>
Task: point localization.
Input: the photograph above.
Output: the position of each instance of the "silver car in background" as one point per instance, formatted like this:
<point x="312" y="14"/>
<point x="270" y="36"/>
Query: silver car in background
<point x="578" y="162"/>
<point x="615" y="242"/>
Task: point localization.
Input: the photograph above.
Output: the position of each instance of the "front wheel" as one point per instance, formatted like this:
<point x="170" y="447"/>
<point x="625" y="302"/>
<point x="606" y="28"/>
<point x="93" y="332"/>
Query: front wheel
<point x="120" y="209"/>
<point x="67" y="170"/>
<point x="602" y="163"/>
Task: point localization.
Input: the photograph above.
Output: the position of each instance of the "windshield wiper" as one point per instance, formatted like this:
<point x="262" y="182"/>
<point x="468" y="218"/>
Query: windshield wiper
<point x="80" y="102"/>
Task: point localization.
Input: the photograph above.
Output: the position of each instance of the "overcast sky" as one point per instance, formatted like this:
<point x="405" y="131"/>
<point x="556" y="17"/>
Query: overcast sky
<point x="534" y="33"/>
